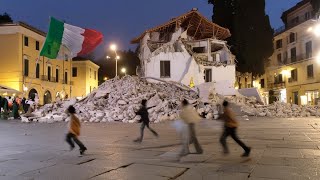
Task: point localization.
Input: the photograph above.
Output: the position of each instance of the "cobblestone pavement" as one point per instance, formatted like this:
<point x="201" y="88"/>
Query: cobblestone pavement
<point x="282" y="149"/>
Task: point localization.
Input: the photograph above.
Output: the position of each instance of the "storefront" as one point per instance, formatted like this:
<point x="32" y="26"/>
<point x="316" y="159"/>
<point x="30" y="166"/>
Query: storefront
<point x="312" y="97"/>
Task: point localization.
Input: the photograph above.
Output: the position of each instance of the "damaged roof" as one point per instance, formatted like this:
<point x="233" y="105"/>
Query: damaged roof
<point x="197" y="26"/>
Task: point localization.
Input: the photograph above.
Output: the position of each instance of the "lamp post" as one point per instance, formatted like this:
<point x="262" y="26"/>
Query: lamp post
<point x="113" y="47"/>
<point x="124" y="71"/>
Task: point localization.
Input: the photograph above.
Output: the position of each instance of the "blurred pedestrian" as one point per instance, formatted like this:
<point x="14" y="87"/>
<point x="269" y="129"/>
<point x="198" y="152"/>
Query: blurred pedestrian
<point x="15" y="109"/>
<point x="190" y="117"/>
<point x="74" y="131"/>
<point x="143" y="112"/>
<point x="230" y="128"/>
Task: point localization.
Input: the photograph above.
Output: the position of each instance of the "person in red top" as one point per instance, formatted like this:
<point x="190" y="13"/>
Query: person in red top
<point x="230" y="128"/>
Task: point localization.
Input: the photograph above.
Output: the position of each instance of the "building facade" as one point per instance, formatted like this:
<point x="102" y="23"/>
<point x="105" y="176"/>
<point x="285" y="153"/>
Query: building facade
<point x="84" y="77"/>
<point x="188" y="49"/>
<point x="292" y="73"/>
<point x="24" y="70"/>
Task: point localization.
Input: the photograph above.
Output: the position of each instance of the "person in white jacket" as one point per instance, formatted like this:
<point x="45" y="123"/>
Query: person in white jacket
<point x="189" y="116"/>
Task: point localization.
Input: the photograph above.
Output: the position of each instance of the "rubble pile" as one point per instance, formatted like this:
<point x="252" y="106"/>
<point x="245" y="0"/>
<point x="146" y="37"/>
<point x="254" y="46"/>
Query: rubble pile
<point x="119" y="99"/>
<point x="283" y="110"/>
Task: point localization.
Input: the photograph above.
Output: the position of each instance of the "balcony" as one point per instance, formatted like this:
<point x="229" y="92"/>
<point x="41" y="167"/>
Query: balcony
<point x="287" y="61"/>
<point x="46" y="78"/>
<point x="277" y="85"/>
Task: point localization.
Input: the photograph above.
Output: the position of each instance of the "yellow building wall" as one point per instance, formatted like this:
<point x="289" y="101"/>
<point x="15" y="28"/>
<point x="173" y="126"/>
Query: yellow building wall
<point x="85" y="80"/>
<point x="12" y="55"/>
<point x="11" y="61"/>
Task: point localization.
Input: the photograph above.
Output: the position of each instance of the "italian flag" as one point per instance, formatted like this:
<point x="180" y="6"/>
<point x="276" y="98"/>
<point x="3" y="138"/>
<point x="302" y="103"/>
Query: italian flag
<point x="77" y="41"/>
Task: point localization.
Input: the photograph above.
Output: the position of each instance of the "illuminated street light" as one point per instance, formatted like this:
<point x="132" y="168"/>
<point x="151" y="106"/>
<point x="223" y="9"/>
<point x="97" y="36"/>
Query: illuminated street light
<point x="108" y="57"/>
<point x="124" y="71"/>
<point x="117" y="57"/>
<point x="113" y="47"/>
<point x="105" y="78"/>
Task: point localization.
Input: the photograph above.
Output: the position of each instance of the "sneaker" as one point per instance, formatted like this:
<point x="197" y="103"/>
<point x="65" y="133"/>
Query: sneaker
<point x="137" y="140"/>
<point x="247" y="153"/>
<point x="82" y="150"/>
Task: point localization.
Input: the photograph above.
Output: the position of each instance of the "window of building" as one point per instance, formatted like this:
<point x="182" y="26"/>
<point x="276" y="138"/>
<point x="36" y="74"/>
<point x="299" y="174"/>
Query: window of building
<point x="262" y="83"/>
<point x="57" y="75"/>
<point x="26" y="41"/>
<point x="295" y="20"/>
<point x="49" y="73"/>
<point x="285" y="58"/>
<point x="293" y="55"/>
<point x="278" y="79"/>
<point x="294" y="75"/>
<point x="90" y="73"/>
<point x="66" y="77"/>
<point x="309" y="49"/>
<point x="199" y="49"/>
<point x="307" y="16"/>
<point x="90" y="89"/>
<point x="74" y="72"/>
<point x="66" y="57"/>
<point x="164" y="69"/>
<point x="95" y="75"/>
<point x="279" y="44"/>
<point x="279" y="58"/>
<point x="208" y="75"/>
<point x="37" y="45"/>
<point x="292" y="37"/>
<point x="310" y="71"/>
<point x="38" y="71"/>
<point x="26" y="67"/>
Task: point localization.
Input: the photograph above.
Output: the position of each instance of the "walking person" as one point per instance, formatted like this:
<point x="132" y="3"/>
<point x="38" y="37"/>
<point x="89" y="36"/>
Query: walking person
<point x="143" y="112"/>
<point x="230" y="128"/>
<point x="189" y="116"/>
<point x="74" y="130"/>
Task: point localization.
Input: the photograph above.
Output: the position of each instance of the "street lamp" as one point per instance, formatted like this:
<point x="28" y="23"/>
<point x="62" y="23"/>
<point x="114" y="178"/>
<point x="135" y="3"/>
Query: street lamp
<point x="124" y="71"/>
<point x="113" y="47"/>
<point x="105" y="78"/>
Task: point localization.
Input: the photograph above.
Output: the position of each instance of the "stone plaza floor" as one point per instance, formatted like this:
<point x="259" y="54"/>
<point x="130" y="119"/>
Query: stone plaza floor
<point x="281" y="149"/>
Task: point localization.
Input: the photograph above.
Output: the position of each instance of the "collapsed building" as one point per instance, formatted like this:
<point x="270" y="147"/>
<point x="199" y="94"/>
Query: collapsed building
<point x="188" y="49"/>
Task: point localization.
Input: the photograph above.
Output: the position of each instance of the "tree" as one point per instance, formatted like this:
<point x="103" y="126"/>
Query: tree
<point x="128" y="60"/>
<point x="5" y="18"/>
<point x="252" y="35"/>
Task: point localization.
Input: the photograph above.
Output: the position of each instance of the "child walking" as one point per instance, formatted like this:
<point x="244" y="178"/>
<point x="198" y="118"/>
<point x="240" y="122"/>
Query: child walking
<point x="74" y="131"/>
<point x="230" y="128"/>
<point x="143" y="112"/>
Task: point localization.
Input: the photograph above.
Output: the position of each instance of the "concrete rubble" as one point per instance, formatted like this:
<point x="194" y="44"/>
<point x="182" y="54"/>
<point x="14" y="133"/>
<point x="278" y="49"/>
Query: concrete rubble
<point x="119" y="99"/>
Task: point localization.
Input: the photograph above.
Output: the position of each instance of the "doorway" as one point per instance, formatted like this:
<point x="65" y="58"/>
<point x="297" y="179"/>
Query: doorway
<point x="296" y="97"/>
<point x="208" y="75"/>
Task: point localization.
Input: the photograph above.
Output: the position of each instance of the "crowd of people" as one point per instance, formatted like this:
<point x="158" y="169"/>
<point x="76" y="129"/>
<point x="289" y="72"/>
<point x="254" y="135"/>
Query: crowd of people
<point x="13" y="107"/>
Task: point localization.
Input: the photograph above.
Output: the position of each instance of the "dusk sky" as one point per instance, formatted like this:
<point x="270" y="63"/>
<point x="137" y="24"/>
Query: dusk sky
<point x="118" y="20"/>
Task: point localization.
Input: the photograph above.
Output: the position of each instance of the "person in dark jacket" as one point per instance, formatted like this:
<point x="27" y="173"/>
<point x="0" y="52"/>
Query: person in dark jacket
<point x="230" y="129"/>
<point x="15" y="109"/>
<point x="143" y="112"/>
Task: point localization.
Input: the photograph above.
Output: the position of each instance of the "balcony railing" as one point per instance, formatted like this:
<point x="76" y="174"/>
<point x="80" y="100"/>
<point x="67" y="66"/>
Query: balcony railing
<point x="276" y="85"/>
<point x="291" y="60"/>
